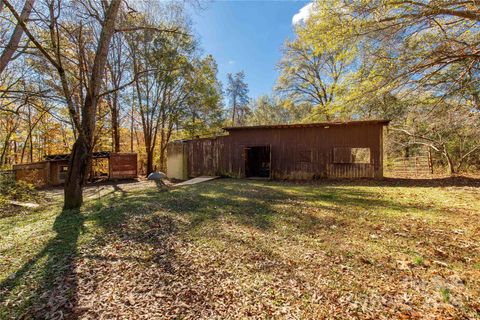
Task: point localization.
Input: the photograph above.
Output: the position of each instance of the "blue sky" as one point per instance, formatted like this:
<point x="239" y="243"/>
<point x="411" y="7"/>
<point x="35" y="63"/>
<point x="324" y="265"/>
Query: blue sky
<point x="248" y="36"/>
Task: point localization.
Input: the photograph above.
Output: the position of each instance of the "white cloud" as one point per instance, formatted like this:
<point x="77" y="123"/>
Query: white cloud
<point x="303" y="14"/>
<point x="231" y="61"/>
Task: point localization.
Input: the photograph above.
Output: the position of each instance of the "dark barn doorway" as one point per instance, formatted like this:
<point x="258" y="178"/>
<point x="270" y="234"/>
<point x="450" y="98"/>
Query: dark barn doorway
<point x="257" y="162"/>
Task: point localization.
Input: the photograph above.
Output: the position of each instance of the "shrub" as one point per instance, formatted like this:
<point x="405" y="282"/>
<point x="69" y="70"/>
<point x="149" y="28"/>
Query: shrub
<point x="10" y="189"/>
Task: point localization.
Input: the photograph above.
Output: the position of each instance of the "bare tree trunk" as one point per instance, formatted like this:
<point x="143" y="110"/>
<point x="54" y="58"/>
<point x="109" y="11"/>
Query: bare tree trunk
<point x="234" y="111"/>
<point x="149" y="160"/>
<point x="12" y="45"/>
<point x="163" y="160"/>
<point x="131" y="132"/>
<point x="15" y="151"/>
<point x="450" y="164"/>
<point x="450" y="167"/>
<point x="163" y="146"/>
<point x="31" y="148"/>
<point x="115" y="72"/>
<point x="115" y="125"/>
<point x="77" y="169"/>
<point x="29" y="137"/>
<point x="430" y="160"/>
<point x="81" y="153"/>
<point x="6" y="143"/>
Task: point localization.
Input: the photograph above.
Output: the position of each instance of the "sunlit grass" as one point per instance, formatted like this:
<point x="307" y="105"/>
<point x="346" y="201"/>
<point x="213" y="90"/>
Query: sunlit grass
<point x="348" y="237"/>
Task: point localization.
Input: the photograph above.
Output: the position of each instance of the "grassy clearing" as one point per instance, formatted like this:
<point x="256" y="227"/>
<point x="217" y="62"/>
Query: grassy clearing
<point x="237" y="249"/>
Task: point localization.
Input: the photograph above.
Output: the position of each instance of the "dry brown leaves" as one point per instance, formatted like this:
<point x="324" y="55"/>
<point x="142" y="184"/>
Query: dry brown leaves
<point x="149" y="269"/>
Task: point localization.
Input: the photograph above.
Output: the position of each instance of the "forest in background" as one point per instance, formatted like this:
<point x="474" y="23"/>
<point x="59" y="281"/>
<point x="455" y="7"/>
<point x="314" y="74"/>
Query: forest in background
<point x="156" y="85"/>
<point x="414" y="62"/>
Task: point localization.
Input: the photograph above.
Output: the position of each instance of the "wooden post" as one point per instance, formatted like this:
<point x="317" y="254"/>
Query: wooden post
<point x="430" y="161"/>
<point x="415" y="166"/>
<point x="48" y="173"/>
<point x="110" y="165"/>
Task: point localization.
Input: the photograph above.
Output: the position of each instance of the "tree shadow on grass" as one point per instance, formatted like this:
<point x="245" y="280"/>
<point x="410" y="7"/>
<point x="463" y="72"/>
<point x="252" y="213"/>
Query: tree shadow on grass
<point x="46" y="285"/>
<point x="244" y="217"/>
<point x="55" y="261"/>
<point x="126" y="217"/>
<point x="259" y="204"/>
<point x="327" y="212"/>
<point x="454" y="181"/>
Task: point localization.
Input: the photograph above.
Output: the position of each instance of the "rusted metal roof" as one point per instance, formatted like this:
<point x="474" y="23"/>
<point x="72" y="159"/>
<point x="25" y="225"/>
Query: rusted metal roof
<point x="66" y="156"/>
<point x="201" y="138"/>
<point x="310" y="125"/>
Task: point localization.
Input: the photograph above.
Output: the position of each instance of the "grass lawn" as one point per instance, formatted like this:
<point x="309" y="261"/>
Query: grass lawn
<point x="241" y="248"/>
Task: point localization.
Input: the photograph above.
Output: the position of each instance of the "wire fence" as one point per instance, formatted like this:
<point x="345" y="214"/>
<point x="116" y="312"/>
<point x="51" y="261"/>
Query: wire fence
<point x="410" y="167"/>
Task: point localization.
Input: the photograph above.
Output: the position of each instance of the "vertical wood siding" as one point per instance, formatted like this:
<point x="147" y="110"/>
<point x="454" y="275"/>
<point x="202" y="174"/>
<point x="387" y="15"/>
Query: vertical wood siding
<point x="350" y="170"/>
<point x="34" y="173"/>
<point x="297" y="153"/>
<point x="122" y="165"/>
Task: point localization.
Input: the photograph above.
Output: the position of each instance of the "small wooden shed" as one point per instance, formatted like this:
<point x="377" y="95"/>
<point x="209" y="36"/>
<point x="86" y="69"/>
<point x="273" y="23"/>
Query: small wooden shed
<point x="53" y="170"/>
<point x="351" y="149"/>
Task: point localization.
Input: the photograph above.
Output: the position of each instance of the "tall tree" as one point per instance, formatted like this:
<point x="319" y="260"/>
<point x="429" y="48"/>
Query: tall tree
<point x="406" y="45"/>
<point x="16" y="36"/>
<point x="163" y="61"/>
<point x="48" y="101"/>
<point x="237" y="92"/>
<point x="82" y="148"/>
<point x="267" y="110"/>
<point x="204" y="112"/>
<point x="116" y="71"/>
<point x="313" y="75"/>
<point x="410" y="61"/>
<point x="85" y="119"/>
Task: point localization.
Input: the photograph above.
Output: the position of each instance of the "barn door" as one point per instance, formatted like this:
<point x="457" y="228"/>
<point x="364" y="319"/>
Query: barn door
<point x="246" y="171"/>
<point x="257" y="161"/>
<point x="270" y="161"/>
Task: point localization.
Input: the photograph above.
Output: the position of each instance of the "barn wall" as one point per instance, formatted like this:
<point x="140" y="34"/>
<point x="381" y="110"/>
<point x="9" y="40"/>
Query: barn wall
<point x="39" y="173"/>
<point x="297" y="152"/>
<point x="35" y="173"/>
<point x="121" y="166"/>
<point x="54" y="172"/>
<point x="202" y="157"/>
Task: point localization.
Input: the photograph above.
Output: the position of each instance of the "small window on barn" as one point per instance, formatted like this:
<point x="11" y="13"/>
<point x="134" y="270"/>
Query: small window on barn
<point x="360" y="155"/>
<point x="351" y="155"/>
<point x="304" y="156"/>
<point x="62" y="173"/>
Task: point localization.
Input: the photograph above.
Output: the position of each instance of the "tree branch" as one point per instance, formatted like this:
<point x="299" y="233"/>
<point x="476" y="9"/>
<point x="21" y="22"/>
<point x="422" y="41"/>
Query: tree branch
<point x="30" y="35"/>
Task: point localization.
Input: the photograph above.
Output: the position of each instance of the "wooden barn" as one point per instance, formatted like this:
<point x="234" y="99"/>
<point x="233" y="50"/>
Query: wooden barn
<point x="53" y="170"/>
<point x="351" y="149"/>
